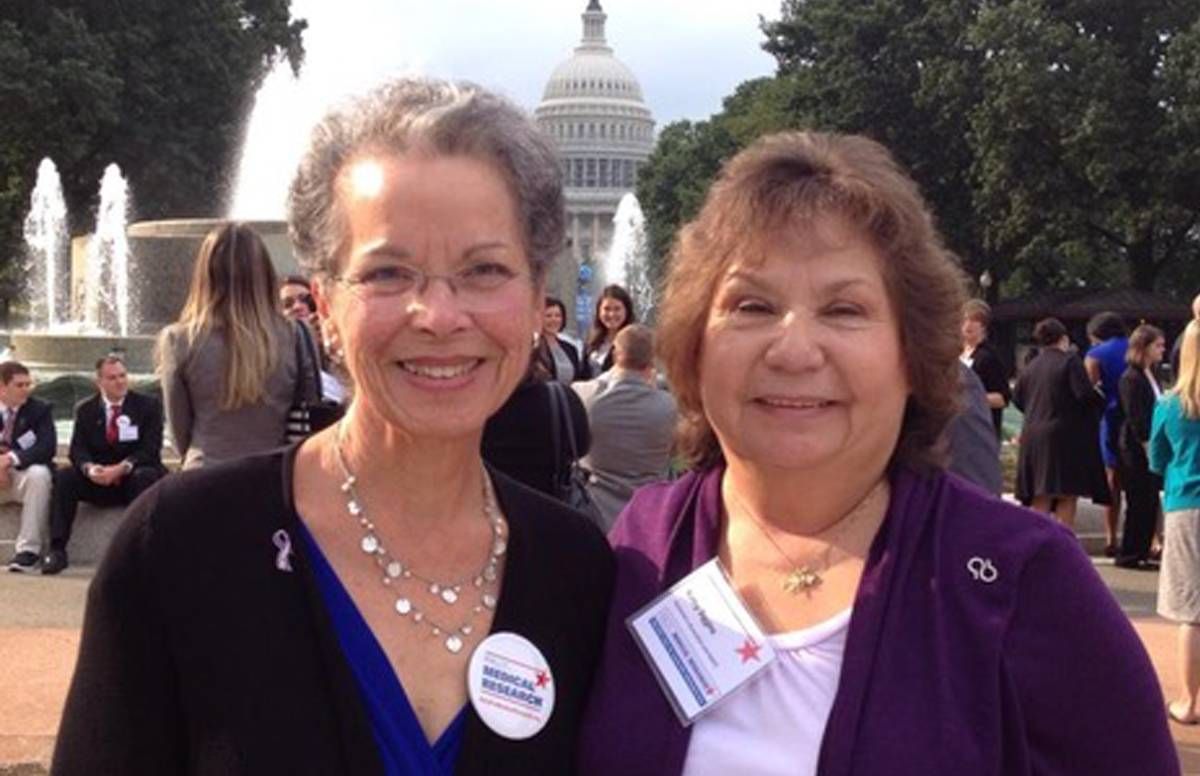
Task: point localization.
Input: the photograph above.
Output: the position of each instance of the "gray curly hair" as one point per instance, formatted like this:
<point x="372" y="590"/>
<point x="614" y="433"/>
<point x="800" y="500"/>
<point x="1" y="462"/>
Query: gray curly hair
<point x="436" y="116"/>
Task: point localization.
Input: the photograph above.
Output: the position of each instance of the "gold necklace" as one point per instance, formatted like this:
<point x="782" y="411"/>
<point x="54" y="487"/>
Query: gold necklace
<point x="806" y="577"/>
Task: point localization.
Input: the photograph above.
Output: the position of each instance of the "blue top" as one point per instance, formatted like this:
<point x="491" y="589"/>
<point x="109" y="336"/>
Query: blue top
<point x="1175" y="454"/>
<point x="1110" y="354"/>
<point x="403" y="748"/>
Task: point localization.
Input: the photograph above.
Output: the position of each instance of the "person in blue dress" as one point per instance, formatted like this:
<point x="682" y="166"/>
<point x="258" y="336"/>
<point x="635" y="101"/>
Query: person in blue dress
<point x="321" y="609"/>
<point x="1105" y="363"/>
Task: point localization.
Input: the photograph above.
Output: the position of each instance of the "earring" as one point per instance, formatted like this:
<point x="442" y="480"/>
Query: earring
<point x="333" y="348"/>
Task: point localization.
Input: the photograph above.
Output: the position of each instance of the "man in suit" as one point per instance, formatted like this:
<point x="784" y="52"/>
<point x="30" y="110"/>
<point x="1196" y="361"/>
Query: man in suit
<point x="116" y="453"/>
<point x="27" y="446"/>
<point x="632" y="423"/>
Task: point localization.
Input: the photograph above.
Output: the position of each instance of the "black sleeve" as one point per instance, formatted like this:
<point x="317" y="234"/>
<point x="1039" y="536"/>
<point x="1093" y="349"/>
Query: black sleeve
<point x="1137" y="401"/>
<point x="79" y="453"/>
<point x="149" y="449"/>
<point x="122" y="712"/>
<point x="1021" y="390"/>
<point x="991" y="373"/>
<point x="1080" y="384"/>
<point x="46" y="444"/>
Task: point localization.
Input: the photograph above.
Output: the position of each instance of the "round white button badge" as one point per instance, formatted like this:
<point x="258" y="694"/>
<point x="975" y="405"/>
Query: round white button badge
<point x="511" y="686"/>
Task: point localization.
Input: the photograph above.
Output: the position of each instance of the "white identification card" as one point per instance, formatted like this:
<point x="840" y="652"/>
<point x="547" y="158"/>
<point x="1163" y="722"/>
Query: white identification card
<point x="26" y="440"/>
<point x="127" y="433"/>
<point x="701" y="641"/>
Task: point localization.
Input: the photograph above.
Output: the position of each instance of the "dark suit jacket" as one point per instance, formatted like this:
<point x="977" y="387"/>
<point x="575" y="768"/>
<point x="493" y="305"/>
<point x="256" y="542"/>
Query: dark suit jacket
<point x="200" y="656"/>
<point x="1137" y="403"/>
<point x="37" y="416"/>
<point x="89" y="443"/>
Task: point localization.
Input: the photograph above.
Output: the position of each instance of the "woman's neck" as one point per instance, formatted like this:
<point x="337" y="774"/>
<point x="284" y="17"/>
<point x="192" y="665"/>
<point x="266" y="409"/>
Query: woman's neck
<point x="420" y="478"/>
<point x="802" y="503"/>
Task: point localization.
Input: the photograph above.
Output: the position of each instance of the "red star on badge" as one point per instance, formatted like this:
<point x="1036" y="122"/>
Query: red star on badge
<point x="543" y="679"/>
<point x="748" y="651"/>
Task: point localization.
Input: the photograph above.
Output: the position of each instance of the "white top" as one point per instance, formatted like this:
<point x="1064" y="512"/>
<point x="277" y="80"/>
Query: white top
<point x="774" y="725"/>
<point x="1153" y="383"/>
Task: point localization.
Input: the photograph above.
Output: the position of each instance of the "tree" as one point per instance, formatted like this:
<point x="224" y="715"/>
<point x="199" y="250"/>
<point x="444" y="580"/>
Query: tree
<point x="1086" y="136"/>
<point x="672" y="184"/>
<point x="1058" y="141"/>
<point x="160" y="87"/>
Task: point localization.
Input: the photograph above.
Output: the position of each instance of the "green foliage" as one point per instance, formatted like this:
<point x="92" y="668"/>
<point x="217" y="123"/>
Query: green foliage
<point x="158" y="86"/>
<point x="1058" y="141"/>
<point x="1086" y="135"/>
<point x="674" y="181"/>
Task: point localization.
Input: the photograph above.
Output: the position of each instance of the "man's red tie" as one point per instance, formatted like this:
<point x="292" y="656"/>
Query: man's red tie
<point x="111" y="432"/>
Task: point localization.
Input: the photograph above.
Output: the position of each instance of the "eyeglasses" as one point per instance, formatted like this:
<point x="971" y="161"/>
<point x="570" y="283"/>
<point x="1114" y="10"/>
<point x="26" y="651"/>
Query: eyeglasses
<point x="480" y="287"/>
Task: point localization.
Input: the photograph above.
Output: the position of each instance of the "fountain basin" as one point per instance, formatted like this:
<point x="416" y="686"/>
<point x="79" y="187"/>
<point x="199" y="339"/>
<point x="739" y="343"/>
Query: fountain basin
<point x="47" y="353"/>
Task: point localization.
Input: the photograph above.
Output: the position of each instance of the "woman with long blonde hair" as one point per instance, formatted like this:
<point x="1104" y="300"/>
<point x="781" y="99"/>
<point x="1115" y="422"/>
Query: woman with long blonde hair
<point x="1175" y="454"/>
<point x="228" y="365"/>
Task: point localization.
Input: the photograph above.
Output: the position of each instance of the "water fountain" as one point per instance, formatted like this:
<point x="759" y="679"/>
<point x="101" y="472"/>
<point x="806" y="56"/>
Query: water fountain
<point x="626" y="261"/>
<point x="69" y="331"/>
<point x="46" y="238"/>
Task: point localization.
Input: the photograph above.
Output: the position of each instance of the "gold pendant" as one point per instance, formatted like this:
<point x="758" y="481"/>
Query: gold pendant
<point x="802" y="579"/>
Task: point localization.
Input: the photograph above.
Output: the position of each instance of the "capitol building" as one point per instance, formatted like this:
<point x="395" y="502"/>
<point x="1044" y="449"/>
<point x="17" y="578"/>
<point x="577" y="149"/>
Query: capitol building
<point x="593" y="108"/>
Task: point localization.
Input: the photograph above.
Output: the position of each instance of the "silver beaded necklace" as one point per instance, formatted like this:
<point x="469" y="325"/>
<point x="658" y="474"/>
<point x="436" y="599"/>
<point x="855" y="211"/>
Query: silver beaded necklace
<point x="395" y="571"/>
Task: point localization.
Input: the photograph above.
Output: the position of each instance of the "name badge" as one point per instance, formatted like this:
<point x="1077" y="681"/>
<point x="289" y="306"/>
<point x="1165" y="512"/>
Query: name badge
<point x="26" y="440"/>
<point x="126" y="433"/>
<point x="701" y="641"/>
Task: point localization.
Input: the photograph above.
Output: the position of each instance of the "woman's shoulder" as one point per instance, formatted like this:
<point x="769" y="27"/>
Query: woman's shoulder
<point x="974" y="528"/>
<point x="648" y="521"/>
<point x="226" y="497"/>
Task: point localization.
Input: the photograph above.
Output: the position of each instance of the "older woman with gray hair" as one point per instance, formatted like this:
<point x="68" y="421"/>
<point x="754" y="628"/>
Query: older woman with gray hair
<point x="323" y="608"/>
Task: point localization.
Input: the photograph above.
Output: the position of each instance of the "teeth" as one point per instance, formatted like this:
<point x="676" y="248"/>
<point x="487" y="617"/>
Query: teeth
<point x="438" y="372"/>
<point x="802" y="405"/>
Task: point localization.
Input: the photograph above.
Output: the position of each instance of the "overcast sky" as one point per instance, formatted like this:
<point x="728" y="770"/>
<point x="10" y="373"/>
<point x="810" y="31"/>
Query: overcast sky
<point x="687" y="55"/>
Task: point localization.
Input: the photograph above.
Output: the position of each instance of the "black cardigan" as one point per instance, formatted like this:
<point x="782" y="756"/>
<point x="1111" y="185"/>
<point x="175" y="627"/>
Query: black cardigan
<point x="200" y="656"/>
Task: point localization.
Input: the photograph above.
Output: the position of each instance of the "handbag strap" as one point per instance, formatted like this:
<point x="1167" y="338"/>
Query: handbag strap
<point x="308" y="373"/>
<point x="314" y="361"/>
<point x="555" y="433"/>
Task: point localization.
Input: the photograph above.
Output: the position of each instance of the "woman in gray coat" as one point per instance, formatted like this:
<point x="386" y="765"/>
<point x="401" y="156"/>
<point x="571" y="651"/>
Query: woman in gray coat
<point x="228" y="365"/>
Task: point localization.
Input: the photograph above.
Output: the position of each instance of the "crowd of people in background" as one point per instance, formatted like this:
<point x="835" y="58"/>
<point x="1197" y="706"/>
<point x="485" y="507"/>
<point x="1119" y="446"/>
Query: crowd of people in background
<point x="789" y="365"/>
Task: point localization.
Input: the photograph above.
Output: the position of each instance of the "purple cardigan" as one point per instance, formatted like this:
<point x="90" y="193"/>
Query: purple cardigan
<point x="1036" y="672"/>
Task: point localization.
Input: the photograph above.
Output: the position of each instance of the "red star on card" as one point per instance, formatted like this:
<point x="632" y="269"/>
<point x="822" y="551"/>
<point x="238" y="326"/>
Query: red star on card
<point x="748" y="651"/>
<point x="543" y="679"/>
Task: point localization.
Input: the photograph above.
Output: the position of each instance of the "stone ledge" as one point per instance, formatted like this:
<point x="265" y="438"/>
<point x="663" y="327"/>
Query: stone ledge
<point x="91" y="534"/>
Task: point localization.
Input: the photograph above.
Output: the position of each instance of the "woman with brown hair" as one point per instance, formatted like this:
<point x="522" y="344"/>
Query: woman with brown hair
<point x="228" y="365"/>
<point x="1139" y="391"/>
<point x="810" y="330"/>
<point x="614" y="311"/>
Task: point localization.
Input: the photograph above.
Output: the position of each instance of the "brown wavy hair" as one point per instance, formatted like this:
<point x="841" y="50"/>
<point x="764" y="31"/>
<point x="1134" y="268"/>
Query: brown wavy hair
<point x="789" y="180"/>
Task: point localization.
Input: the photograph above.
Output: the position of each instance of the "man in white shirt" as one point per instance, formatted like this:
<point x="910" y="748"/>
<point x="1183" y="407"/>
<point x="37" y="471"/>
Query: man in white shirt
<point x="27" y="446"/>
<point x="116" y="453"/>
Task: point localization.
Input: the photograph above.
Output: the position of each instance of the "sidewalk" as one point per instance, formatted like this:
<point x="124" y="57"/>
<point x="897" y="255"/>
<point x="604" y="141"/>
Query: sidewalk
<point x="40" y="619"/>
